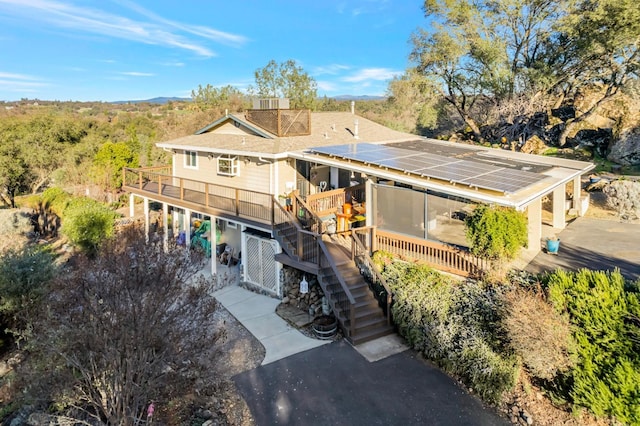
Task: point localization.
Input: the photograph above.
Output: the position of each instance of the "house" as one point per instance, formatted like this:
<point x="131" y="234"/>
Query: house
<point x="316" y="190"/>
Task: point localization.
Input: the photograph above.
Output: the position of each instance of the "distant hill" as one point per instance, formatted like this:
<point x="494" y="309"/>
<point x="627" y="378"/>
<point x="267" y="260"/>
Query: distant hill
<point x="164" y="99"/>
<point x="158" y="100"/>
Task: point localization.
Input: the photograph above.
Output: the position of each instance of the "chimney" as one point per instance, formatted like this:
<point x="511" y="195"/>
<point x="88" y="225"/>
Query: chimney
<point x="353" y="107"/>
<point x="355" y="131"/>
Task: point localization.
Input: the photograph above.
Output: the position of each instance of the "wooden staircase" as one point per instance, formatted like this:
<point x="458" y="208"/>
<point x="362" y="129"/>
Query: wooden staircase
<point x="353" y="303"/>
<point x="364" y="320"/>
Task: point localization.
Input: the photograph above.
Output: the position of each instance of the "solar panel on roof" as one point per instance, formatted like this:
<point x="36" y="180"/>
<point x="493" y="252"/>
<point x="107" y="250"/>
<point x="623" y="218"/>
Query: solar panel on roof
<point x="450" y="168"/>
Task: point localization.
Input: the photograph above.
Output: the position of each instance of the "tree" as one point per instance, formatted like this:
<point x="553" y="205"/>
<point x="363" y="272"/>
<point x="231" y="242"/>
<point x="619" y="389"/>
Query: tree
<point x="286" y="80"/>
<point x="209" y="97"/>
<point x="15" y="175"/>
<point x="602" y="41"/>
<point x="413" y="99"/>
<point x="109" y="161"/>
<point x="481" y="51"/>
<point x="129" y="327"/>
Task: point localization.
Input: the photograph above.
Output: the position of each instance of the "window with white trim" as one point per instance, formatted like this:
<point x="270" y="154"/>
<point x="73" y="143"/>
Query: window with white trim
<point x="228" y="165"/>
<point x="191" y="159"/>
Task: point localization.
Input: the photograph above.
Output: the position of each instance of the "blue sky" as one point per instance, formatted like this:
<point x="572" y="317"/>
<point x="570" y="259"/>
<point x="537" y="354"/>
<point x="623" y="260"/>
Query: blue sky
<point x="112" y="50"/>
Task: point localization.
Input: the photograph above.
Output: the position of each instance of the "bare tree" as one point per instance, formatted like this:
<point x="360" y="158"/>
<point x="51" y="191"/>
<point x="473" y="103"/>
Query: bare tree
<point x="126" y="328"/>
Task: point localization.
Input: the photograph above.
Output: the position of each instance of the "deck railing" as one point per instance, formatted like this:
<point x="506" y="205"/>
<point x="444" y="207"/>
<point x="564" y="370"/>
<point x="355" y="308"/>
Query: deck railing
<point x="361" y="238"/>
<point x="342" y="300"/>
<point x="302" y="243"/>
<point x="325" y="203"/>
<point x="441" y="256"/>
<point x="238" y="202"/>
<point x="264" y="208"/>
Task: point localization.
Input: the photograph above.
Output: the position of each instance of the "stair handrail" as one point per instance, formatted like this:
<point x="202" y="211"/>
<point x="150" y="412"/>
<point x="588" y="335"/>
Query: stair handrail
<point x="352" y="301"/>
<point x="360" y="250"/>
<point x="299" y="202"/>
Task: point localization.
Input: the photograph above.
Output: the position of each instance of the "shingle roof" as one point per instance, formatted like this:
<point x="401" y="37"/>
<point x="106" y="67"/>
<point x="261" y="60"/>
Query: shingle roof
<point x="327" y="128"/>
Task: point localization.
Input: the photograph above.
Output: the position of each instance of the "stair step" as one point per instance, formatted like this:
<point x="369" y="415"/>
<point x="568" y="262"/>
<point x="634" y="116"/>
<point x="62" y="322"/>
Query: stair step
<point x="368" y="335"/>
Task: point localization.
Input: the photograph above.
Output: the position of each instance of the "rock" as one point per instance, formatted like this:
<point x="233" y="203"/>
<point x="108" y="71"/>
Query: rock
<point x="599" y="139"/>
<point x="626" y="150"/>
<point x="208" y="423"/>
<point x="206" y="414"/>
<point x="526" y="417"/>
<point x="534" y="145"/>
<point x="285" y="300"/>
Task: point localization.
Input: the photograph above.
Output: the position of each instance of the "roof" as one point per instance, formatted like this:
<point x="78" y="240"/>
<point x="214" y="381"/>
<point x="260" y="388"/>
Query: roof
<point x="327" y="128"/>
<point x="331" y="132"/>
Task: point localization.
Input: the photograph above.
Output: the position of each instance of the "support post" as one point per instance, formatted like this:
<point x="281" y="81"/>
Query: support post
<point x="577" y="195"/>
<point x="559" y="207"/>
<point x="131" y="205"/>
<point x="534" y="227"/>
<point x="146" y="219"/>
<point x="187" y="227"/>
<point x="214" y="258"/>
<point x="165" y="226"/>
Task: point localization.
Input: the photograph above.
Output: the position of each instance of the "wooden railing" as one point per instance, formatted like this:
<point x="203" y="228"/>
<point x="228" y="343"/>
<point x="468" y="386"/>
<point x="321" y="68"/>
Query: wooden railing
<point x="325" y="203"/>
<point x="302" y="243"/>
<point x="360" y="254"/>
<point x="239" y="202"/>
<point x="440" y="256"/>
<point x="340" y="301"/>
<point x="307" y="217"/>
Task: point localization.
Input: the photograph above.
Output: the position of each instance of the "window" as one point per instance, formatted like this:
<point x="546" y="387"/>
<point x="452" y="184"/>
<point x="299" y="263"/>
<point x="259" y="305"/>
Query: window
<point x="228" y="166"/>
<point x="191" y="159"/>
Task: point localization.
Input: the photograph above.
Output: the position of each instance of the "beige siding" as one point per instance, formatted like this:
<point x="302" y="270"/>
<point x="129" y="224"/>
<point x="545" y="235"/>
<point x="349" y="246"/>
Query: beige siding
<point x="229" y="128"/>
<point x="253" y="176"/>
<point x="286" y="173"/>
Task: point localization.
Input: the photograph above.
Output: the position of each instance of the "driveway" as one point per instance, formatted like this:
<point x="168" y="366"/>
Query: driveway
<point x="595" y="244"/>
<point x="335" y="385"/>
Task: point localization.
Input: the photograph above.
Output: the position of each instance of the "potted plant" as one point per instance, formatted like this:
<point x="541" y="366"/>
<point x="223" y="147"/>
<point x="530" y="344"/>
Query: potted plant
<point x="553" y="245"/>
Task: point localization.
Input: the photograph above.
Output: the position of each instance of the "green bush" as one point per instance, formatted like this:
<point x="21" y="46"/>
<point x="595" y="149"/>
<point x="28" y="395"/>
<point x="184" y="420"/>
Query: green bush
<point x="451" y="324"/>
<point x="55" y="200"/>
<point x="496" y="233"/>
<point x="87" y="223"/>
<point x="606" y="378"/>
<point x="23" y="276"/>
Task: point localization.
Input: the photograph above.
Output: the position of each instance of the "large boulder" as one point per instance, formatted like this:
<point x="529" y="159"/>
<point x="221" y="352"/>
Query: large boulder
<point x="626" y="150"/>
<point x="534" y="145"/>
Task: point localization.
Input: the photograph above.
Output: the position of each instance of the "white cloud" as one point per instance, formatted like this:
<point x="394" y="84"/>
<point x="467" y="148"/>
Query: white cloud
<point x="155" y="30"/>
<point x="327" y="86"/>
<point x="173" y="64"/>
<point x="20" y="82"/>
<point x="368" y="74"/>
<point x="331" y="69"/>
<point x="137" y="74"/>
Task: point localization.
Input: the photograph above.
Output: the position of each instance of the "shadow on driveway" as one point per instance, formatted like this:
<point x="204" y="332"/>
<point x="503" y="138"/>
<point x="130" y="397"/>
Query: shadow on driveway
<point x="594" y="244"/>
<point x="335" y="385"/>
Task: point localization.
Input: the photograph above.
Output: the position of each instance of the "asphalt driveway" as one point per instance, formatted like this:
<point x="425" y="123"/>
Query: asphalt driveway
<point x="335" y="385"/>
<point x="594" y="244"/>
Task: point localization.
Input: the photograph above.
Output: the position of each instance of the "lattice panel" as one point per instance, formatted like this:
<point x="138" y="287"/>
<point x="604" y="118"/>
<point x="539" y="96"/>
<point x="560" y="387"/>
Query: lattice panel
<point x="261" y="266"/>
<point x="270" y="279"/>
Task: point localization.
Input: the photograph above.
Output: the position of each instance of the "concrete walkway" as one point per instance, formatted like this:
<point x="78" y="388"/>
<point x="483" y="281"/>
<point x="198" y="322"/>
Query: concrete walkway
<point x="257" y="313"/>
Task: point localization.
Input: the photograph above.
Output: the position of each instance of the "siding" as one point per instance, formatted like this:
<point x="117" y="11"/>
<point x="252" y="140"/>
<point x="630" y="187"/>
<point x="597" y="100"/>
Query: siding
<point x="253" y="176"/>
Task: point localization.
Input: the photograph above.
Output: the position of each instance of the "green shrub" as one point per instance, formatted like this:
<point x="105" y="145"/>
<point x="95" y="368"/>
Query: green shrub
<point x="55" y="200"/>
<point x="23" y="276"/>
<point x="451" y="324"/>
<point x="496" y="233"/>
<point x="87" y="223"/>
<point x="606" y="378"/>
